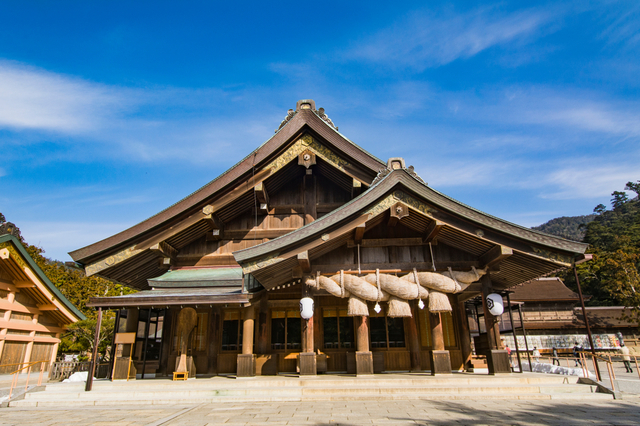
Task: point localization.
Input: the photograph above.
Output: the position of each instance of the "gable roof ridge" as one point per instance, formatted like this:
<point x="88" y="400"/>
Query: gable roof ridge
<point x="40" y="273"/>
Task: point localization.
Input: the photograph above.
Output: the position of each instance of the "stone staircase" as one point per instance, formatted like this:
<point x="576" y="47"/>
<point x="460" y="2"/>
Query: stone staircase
<point x="527" y="386"/>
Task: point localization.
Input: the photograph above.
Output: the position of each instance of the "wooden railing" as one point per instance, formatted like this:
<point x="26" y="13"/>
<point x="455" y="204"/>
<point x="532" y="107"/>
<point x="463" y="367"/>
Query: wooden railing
<point x="25" y="366"/>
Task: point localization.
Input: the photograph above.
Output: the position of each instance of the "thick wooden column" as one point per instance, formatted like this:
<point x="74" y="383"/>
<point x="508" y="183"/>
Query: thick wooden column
<point x="262" y="344"/>
<point x="364" y="357"/>
<point x="440" y="358"/>
<point x="414" y="338"/>
<point x="213" y="346"/>
<point x="246" y="360"/>
<point x="497" y="358"/>
<point x="165" y="368"/>
<point x="307" y="358"/>
<point x="465" y="336"/>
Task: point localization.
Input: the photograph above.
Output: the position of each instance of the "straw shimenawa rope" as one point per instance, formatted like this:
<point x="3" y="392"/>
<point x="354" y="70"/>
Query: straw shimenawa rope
<point x="396" y="290"/>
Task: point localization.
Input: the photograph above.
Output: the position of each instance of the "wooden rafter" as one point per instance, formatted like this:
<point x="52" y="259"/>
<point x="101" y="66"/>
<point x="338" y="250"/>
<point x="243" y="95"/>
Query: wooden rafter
<point x="432" y="230"/>
<point x="359" y="233"/>
<point x="304" y="262"/>
<point x="495" y="255"/>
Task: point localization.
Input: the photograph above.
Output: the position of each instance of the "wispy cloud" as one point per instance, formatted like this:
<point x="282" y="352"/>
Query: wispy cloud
<point x="131" y="124"/>
<point x="622" y="25"/>
<point x="590" y="181"/>
<point x="426" y="39"/>
<point x="32" y="98"/>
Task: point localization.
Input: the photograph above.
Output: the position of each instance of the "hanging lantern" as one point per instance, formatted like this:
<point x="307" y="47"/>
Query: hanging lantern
<point x="306" y="307"/>
<point x="495" y="304"/>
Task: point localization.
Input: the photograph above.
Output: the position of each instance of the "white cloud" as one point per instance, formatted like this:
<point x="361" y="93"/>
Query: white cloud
<point x="590" y="181"/>
<point x="425" y="40"/>
<point x="32" y="98"/>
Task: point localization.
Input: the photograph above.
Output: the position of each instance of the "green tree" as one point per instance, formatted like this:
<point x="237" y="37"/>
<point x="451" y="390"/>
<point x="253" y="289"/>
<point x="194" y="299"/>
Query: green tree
<point x="612" y="277"/>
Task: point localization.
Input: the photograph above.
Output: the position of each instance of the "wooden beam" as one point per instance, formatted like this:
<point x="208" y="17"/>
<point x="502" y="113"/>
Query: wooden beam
<point x="404" y="267"/>
<point x="7" y="287"/>
<point x="495" y="255"/>
<point x="397" y="212"/>
<point x="304" y="261"/>
<point x="359" y="233"/>
<point x="432" y="230"/>
<point x="356" y="188"/>
<point x="386" y="242"/>
<point x="5" y="305"/>
<point x="48" y="307"/>
<point x="23" y="284"/>
<point x="256" y="233"/>
<point x="164" y="249"/>
<point x="262" y="196"/>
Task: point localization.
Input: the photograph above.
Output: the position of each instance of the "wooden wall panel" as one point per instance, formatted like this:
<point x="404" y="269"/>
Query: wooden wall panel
<point x="397" y="361"/>
<point x="227" y="363"/>
<point x="41" y="352"/>
<point x="12" y="353"/>
<point x="336" y="361"/>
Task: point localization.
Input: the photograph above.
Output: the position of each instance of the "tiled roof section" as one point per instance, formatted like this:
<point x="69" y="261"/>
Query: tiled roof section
<point x="304" y="120"/>
<point x="411" y="183"/>
<point x="174" y="296"/>
<point x="543" y="290"/>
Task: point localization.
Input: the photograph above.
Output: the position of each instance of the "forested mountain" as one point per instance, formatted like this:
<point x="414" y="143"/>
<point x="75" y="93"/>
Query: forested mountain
<point x="612" y="276"/>
<point x="569" y="227"/>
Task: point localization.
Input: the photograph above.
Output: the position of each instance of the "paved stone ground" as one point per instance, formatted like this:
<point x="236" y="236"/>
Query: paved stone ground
<point x="408" y="412"/>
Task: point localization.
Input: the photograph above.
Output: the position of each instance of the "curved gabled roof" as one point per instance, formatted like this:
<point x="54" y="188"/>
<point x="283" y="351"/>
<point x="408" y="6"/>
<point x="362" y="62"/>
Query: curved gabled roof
<point x="56" y="295"/>
<point x="304" y="121"/>
<point x="530" y="253"/>
<point x="439" y="201"/>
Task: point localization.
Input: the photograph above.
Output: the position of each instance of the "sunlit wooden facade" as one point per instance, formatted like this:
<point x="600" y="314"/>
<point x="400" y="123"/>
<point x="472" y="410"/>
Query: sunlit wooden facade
<point x="222" y="272"/>
<point x="33" y="312"/>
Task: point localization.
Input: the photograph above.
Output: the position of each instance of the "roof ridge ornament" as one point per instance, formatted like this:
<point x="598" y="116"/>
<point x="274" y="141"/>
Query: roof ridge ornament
<point x="396" y="163"/>
<point x="306" y="104"/>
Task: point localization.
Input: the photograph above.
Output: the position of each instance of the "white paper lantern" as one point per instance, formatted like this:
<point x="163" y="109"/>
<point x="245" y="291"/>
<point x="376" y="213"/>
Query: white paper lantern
<point x="306" y="307"/>
<point x="495" y="304"/>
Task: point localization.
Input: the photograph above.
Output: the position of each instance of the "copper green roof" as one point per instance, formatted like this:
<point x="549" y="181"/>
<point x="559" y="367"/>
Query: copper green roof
<point x="199" y="277"/>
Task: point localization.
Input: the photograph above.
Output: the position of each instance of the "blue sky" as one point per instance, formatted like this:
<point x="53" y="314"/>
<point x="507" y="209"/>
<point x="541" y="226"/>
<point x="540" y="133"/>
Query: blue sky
<point x="112" y="111"/>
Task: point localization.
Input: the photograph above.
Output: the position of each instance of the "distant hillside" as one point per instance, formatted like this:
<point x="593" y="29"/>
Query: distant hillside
<point x="566" y="227"/>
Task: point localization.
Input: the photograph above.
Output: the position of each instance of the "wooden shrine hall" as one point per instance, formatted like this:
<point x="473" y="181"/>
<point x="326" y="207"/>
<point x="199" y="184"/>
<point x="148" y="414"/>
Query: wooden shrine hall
<point x="313" y="256"/>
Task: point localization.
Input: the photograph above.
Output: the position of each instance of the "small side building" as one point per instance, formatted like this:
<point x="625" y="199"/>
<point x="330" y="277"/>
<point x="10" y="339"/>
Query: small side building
<point x="33" y="312"/>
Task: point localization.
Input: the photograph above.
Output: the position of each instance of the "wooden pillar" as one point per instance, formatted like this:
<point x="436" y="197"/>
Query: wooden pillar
<point x="497" y="358"/>
<point x="96" y="340"/>
<point x="307" y="358"/>
<point x="440" y="358"/>
<point x="262" y="343"/>
<point x="165" y="368"/>
<point x="465" y="336"/>
<point x="414" y="338"/>
<point x="246" y="360"/>
<point x="212" y="348"/>
<point x="364" y="357"/>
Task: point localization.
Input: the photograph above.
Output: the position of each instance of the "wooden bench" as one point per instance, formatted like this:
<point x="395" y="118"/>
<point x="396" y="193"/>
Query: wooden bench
<point x="180" y="376"/>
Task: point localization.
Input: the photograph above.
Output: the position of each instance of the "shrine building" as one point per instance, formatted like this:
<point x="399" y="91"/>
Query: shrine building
<point x="313" y="256"/>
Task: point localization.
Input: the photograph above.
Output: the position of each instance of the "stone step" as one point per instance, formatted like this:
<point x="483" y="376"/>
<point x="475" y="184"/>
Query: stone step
<point x="297" y="383"/>
<point x="335" y="397"/>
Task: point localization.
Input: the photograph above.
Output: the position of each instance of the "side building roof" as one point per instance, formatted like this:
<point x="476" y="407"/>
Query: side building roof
<point x="16" y="262"/>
